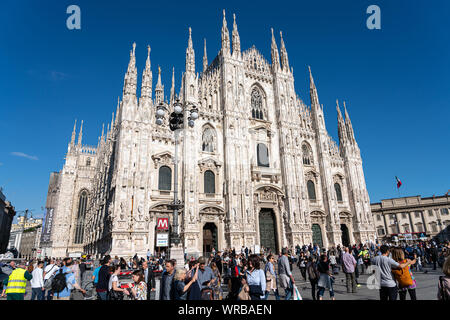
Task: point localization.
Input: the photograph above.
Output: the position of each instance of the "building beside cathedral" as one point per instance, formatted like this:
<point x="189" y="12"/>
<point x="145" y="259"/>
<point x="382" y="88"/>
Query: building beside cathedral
<point x="258" y="168"/>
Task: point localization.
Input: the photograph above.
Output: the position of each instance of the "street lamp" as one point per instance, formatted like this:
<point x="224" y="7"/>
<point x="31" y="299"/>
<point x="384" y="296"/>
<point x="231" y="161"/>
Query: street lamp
<point x="176" y="124"/>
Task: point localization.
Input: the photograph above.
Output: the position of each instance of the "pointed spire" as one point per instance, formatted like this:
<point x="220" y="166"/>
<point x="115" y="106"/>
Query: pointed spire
<point x="190" y="54"/>
<point x="274" y="53"/>
<point x="130" y="82"/>
<point x="342" y="133"/>
<point x="112" y="121"/>
<point x="117" y="109"/>
<point x="159" y="89"/>
<point x="284" y="55"/>
<point x="348" y="125"/>
<point x="172" y="89"/>
<point x="313" y="91"/>
<point x="205" y="58"/>
<point x="103" y="132"/>
<point x="236" y="39"/>
<point x="80" y="135"/>
<point x="147" y="78"/>
<point x="74" y="132"/>
<point x="225" y="36"/>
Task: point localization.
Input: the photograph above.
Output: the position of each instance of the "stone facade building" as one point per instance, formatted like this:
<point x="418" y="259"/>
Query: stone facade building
<point x="258" y="168"/>
<point x="7" y="214"/>
<point x="413" y="215"/>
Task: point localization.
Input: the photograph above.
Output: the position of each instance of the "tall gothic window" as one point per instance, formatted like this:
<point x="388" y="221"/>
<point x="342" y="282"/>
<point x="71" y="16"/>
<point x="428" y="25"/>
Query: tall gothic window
<point x="337" y="188"/>
<point x="209" y="182"/>
<point x="88" y="162"/>
<point x="307" y="155"/>
<point x="165" y="178"/>
<point x="257" y="104"/>
<point x="263" y="155"/>
<point x="82" y="206"/>
<point x="311" y="190"/>
<point x="208" y="140"/>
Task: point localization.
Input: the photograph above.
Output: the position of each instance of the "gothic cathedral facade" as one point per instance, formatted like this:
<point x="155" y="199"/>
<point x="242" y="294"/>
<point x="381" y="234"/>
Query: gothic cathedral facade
<point x="258" y="168"/>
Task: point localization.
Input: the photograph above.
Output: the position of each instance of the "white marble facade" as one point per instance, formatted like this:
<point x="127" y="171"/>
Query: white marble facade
<point x="258" y="142"/>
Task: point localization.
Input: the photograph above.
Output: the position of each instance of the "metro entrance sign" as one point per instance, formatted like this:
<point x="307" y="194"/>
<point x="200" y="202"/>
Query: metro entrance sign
<point x="162" y="224"/>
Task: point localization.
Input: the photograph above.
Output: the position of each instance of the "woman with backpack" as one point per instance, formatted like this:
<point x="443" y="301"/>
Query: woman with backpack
<point x="326" y="279"/>
<point x="313" y="275"/>
<point x="302" y="261"/>
<point x="404" y="277"/>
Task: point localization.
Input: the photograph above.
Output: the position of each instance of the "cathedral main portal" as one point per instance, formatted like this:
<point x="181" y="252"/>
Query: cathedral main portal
<point x="267" y="230"/>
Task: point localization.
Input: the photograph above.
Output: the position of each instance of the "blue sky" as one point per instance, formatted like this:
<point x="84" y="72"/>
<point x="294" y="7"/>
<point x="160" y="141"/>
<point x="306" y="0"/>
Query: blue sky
<point x="395" y="80"/>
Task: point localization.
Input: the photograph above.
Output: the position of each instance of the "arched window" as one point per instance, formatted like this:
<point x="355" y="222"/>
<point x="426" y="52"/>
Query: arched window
<point x="311" y="190"/>
<point x="337" y="188"/>
<point x="165" y="178"/>
<point x="209" y="182"/>
<point x="79" y="227"/>
<point x="88" y="162"/>
<point x="257" y="104"/>
<point x="307" y="155"/>
<point x="208" y="140"/>
<point x="263" y="155"/>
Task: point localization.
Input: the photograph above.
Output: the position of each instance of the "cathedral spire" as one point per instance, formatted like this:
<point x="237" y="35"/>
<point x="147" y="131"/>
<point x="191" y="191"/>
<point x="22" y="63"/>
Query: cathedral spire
<point x="117" y="109"/>
<point x="190" y="54"/>
<point x="205" y="58"/>
<point x="348" y="125"/>
<point x="274" y="53"/>
<point x="225" y="36"/>
<point x="80" y="135"/>
<point x="74" y="132"/>
<point x="236" y="39"/>
<point x="284" y="55"/>
<point x="147" y="77"/>
<point x="130" y="81"/>
<point x="103" y="133"/>
<point x="342" y="133"/>
<point x="172" y="89"/>
<point x="313" y="91"/>
<point x="159" y="89"/>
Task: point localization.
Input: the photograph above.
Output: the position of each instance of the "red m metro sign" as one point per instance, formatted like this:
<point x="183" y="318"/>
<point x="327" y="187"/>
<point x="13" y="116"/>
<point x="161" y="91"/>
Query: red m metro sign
<point x="163" y="224"/>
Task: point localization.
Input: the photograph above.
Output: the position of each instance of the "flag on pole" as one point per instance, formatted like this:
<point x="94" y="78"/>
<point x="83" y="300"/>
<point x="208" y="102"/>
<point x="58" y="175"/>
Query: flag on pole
<point x="399" y="183"/>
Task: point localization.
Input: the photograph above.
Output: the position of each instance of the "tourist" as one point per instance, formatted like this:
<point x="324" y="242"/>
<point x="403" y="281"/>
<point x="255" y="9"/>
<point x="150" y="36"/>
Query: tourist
<point x="271" y="277"/>
<point x="348" y="267"/>
<point x="64" y="282"/>
<point x="325" y="279"/>
<point x="37" y="282"/>
<point x="103" y="279"/>
<point x="216" y="286"/>
<point x="181" y="287"/>
<point x="313" y="275"/>
<point x="139" y="289"/>
<point x="15" y="285"/>
<point x="302" y="261"/>
<point x="166" y="281"/>
<point x="205" y="274"/>
<point x="255" y="278"/>
<point x="444" y="282"/>
<point x="49" y="272"/>
<point x="114" y="290"/>
<point x="149" y="278"/>
<point x="388" y="287"/>
<point x="285" y="275"/>
<point x="404" y="277"/>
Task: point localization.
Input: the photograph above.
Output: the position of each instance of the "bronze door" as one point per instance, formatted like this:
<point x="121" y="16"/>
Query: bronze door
<point x="267" y="230"/>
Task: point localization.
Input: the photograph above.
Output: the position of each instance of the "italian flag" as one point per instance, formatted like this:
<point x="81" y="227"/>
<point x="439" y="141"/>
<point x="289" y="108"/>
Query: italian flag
<point x="399" y="183"/>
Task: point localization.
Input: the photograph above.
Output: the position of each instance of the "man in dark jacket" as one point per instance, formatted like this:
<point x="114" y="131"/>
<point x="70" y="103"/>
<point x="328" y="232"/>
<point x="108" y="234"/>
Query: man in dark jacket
<point x="149" y="278"/>
<point x="103" y="279"/>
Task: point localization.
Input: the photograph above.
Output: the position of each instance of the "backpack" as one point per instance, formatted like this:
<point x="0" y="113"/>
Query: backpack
<point x="403" y="277"/>
<point x="59" y="282"/>
<point x="312" y="272"/>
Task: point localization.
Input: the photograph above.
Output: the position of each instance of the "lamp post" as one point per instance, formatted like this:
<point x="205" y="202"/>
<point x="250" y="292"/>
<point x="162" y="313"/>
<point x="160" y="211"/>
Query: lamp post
<point x="176" y="124"/>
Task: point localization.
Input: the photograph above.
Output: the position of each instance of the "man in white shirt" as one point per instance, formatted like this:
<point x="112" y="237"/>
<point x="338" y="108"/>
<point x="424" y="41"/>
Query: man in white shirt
<point x="49" y="271"/>
<point x="37" y="282"/>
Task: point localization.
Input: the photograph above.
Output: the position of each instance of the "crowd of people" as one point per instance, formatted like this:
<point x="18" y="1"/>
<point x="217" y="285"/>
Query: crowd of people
<point x="243" y="274"/>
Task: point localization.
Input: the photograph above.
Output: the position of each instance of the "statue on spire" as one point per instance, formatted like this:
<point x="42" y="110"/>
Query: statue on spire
<point x="159" y="89"/>
<point x="147" y="78"/>
<point x="190" y="54"/>
<point x="274" y="53"/>
<point x="72" y="141"/>
<point x="236" y="39"/>
<point x="130" y="82"/>
<point x="225" y="36"/>
<point x="205" y="58"/>
<point x="284" y="55"/>
<point x="172" y="89"/>
<point x="80" y="135"/>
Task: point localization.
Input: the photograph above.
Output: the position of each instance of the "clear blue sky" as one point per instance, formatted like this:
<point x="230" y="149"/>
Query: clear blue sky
<point x="395" y="80"/>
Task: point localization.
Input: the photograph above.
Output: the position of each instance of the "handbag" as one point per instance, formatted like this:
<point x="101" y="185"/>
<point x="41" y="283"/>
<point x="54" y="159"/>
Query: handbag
<point x="115" y="295"/>
<point x="255" y="291"/>
<point x="243" y="295"/>
<point x="297" y="295"/>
